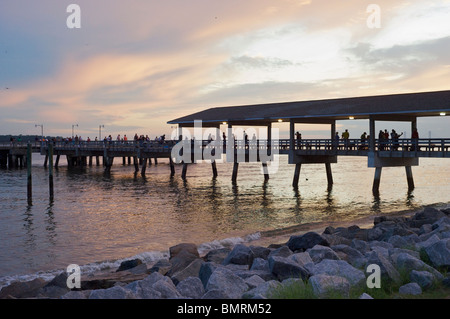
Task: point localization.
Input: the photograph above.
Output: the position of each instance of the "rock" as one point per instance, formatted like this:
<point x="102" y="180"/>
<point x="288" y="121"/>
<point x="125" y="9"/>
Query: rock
<point x="184" y="247"/>
<point x="423" y="278"/>
<point x="205" y="271"/>
<point x="284" y="268"/>
<point x="19" y="289"/>
<point x="351" y="255"/>
<point x="192" y="270"/>
<point x="260" y="264"/>
<point x="263" y="290"/>
<point x="308" y="240"/>
<point x="303" y="259"/>
<point x="398" y="241"/>
<point x="217" y="255"/>
<point x="128" y="264"/>
<point x="181" y="260"/>
<point x="319" y="252"/>
<point x="365" y="296"/>
<point x="325" y="286"/>
<point x="408" y="263"/>
<point x="429" y="214"/>
<point x="340" y="268"/>
<point x="143" y="289"/>
<point x="264" y="274"/>
<point x="240" y="255"/>
<point x="360" y="245"/>
<point x="224" y="280"/>
<point x="424" y="244"/>
<point x="59" y="280"/>
<point x="191" y="287"/>
<point x="215" y="294"/>
<point x="260" y="252"/>
<point x="139" y="270"/>
<point x="162" y="266"/>
<point x="388" y="271"/>
<point x="254" y="281"/>
<point x="336" y="239"/>
<point x="76" y="294"/>
<point x="167" y="289"/>
<point x="116" y="292"/>
<point x="410" y="289"/>
<point x="439" y="253"/>
<point x="283" y="251"/>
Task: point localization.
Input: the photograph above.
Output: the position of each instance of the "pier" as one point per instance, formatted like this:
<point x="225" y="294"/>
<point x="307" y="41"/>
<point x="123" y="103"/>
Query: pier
<point x="402" y="152"/>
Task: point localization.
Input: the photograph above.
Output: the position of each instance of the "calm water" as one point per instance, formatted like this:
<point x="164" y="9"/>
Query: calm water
<point x="98" y="218"/>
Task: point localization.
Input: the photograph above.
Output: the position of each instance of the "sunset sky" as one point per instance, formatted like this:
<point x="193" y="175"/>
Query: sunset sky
<point x="134" y="65"/>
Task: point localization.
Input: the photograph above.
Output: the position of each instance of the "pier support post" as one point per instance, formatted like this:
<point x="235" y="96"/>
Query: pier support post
<point x="183" y="173"/>
<point x="376" y="180"/>
<point x="57" y="160"/>
<point x="136" y="164"/>
<point x="235" y="172"/>
<point x="29" y="184"/>
<point x="214" y="169"/>
<point x="329" y="174"/>
<point x="298" y="167"/>
<point x="50" y="170"/>
<point x="46" y="160"/>
<point x="172" y="167"/>
<point x="144" y="166"/>
<point x="409" y="177"/>
<point x="265" y="171"/>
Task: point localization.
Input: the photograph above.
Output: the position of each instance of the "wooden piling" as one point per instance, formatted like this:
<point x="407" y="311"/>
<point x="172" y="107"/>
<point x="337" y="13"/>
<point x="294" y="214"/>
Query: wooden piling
<point x="235" y="172"/>
<point x="183" y="173"/>
<point x="329" y="174"/>
<point x="376" y="180"/>
<point x="265" y="171"/>
<point x="50" y="170"/>
<point x="29" y="183"/>
<point x="214" y="169"/>
<point x="409" y="177"/>
<point x="57" y="160"/>
<point x="172" y="167"/>
<point x="136" y="164"/>
<point x="298" y="167"/>
<point x="144" y="166"/>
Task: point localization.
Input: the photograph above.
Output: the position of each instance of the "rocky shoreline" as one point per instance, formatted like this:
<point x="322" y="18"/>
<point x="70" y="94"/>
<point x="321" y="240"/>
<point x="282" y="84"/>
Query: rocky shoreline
<point x="415" y="247"/>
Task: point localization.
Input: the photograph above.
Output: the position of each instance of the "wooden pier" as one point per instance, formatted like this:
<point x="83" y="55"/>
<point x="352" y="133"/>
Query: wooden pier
<point x="403" y="152"/>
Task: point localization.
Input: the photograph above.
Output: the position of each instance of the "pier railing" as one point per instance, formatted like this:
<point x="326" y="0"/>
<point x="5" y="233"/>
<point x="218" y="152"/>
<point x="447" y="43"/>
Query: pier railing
<point x="421" y="147"/>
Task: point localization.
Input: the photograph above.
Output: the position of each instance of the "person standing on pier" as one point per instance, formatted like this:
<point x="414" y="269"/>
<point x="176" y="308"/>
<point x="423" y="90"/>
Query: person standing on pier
<point x="415" y="140"/>
<point x="345" y="137"/>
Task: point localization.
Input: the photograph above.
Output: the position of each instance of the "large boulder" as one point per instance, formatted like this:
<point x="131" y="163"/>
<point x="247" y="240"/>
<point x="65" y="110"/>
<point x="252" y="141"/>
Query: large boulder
<point x="20" y="289"/>
<point x="284" y="267"/>
<point x="186" y="247"/>
<point x="406" y="262"/>
<point x="319" y="252"/>
<point x="240" y="255"/>
<point x="388" y="271"/>
<point x="439" y="253"/>
<point x="191" y="287"/>
<point x="306" y="241"/>
<point x="230" y="284"/>
<point x="340" y="268"/>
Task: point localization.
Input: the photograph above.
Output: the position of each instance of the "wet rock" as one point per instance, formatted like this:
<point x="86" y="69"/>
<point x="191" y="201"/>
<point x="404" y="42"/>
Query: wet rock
<point x="128" y="264"/>
<point x="319" y="253"/>
<point x="20" y="289"/>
